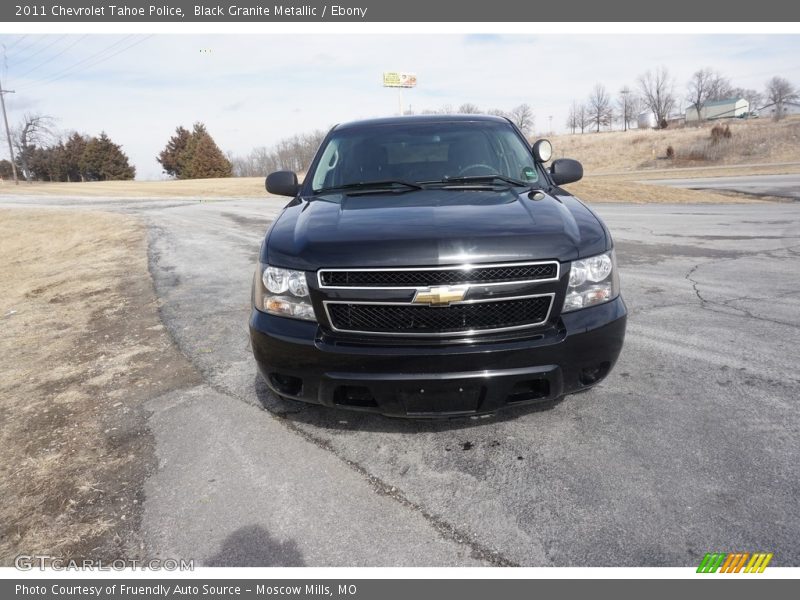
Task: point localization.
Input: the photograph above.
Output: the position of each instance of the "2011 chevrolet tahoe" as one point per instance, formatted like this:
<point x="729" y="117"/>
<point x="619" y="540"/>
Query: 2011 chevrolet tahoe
<point x="432" y="266"/>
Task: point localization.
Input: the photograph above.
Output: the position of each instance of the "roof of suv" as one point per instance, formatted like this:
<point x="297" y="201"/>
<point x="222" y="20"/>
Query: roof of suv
<point x="420" y="119"/>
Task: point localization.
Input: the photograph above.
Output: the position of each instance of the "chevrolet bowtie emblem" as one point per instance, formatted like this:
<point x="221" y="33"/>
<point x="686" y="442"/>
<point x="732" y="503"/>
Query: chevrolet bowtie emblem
<point x="441" y="295"/>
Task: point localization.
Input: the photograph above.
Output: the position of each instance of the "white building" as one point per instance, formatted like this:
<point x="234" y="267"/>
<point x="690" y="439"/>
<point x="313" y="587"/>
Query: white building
<point x="719" y="109"/>
<point x="789" y="108"/>
<point x="646" y="120"/>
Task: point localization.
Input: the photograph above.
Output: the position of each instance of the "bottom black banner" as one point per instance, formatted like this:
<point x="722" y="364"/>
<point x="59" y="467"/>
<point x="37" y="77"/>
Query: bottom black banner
<point x="386" y="589"/>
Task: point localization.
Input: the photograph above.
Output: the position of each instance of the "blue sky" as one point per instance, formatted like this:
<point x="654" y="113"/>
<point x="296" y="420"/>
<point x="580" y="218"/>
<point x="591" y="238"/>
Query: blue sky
<point x="252" y="90"/>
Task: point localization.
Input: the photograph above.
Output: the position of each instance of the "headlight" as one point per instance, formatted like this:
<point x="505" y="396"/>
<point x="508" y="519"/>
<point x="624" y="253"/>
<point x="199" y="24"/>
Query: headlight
<point x="283" y="292"/>
<point x="592" y="280"/>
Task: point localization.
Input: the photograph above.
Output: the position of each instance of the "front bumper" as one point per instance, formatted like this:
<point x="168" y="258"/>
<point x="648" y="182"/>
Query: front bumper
<point x="418" y="379"/>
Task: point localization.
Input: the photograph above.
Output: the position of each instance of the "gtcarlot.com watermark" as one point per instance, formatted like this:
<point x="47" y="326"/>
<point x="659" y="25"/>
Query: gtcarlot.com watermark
<point x="31" y="562"/>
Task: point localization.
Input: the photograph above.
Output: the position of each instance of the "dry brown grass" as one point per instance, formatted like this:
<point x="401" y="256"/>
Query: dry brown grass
<point x="691" y="172"/>
<point x="232" y="187"/>
<point x="754" y="141"/>
<point x="617" y="187"/>
<point x="80" y="337"/>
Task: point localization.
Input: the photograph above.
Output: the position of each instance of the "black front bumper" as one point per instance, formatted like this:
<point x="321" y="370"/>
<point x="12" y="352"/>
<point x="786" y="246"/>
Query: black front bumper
<point x="418" y="379"/>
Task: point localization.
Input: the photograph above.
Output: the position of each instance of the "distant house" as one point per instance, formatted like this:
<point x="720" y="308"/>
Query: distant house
<point x="646" y="120"/>
<point x="676" y="119"/>
<point x="789" y="108"/>
<point x="719" y="109"/>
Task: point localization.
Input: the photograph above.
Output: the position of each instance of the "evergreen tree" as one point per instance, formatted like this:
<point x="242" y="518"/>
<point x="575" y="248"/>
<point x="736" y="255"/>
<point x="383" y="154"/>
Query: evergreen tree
<point x="194" y="155"/>
<point x="43" y="164"/>
<point x="103" y="160"/>
<point x="205" y="159"/>
<point x="6" y="171"/>
<point x="74" y="148"/>
<point x="172" y="157"/>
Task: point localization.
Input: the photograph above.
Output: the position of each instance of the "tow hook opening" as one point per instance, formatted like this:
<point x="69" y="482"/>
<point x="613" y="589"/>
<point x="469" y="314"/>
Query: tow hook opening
<point x="591" y="375"/>
<point x="286" y="384"/>
<point x="354" y="395"/>
<point x="530" y="389"/>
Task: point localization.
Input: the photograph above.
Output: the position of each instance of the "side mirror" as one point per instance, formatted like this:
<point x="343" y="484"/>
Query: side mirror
<point x="566" y="170"/>
<point x="282" y="183"/>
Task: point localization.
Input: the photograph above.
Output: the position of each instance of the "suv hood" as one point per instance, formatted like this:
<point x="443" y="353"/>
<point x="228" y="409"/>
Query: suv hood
<point x="431" y="227"/>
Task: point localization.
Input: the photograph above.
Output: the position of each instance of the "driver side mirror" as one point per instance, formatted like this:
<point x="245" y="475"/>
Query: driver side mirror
<point x="566" y="170"/>
<point x="282" y="183"/>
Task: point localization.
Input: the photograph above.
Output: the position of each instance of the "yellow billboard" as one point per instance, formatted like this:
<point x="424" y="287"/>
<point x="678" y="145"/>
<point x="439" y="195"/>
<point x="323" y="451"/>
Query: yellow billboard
<point x="398" y="79"/>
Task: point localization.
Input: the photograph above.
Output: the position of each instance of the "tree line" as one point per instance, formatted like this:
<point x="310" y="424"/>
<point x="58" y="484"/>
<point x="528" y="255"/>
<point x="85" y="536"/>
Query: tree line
<point x="521" y="115"/>
<point x="292" y="153"/>
<point x="655" y="91"/>
<point x="296" y="152"/>
<point x="40" y="155"/>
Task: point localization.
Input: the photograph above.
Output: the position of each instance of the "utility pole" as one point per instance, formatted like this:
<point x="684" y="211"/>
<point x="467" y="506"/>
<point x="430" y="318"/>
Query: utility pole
<point x="550" y="117"/>
<point x="625" y="91"/>
<point x="8" y="131"/>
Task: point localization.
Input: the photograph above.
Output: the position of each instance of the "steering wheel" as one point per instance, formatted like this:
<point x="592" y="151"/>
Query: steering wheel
<point x="475" y="166"/>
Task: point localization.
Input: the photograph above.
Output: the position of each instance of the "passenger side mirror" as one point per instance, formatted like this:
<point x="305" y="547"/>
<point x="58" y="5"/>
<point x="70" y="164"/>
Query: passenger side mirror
<point x="566" y="170"/>
<point x="282" y="183"/>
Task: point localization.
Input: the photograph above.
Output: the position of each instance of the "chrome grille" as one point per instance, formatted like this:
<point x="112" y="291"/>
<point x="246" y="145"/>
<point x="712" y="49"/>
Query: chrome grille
<point x="429" y="276"/>
<point x="408" y="319"/>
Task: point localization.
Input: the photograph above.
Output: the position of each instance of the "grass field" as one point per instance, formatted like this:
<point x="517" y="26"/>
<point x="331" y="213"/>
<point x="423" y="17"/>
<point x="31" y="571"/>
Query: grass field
<point x="752" y="142"/>
<point x="234" y="187"/>
<point x="82" y="347"/>
<point x="592" y="189"/>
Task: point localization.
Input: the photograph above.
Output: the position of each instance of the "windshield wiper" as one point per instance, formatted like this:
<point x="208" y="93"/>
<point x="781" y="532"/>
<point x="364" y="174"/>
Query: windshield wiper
<point x="483" y="179"/>
<point x="389" y="185"/>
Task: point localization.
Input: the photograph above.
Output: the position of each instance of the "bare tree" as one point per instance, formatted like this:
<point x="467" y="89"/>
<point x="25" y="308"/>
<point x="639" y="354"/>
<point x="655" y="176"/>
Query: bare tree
<point x="754" y="98"/>
<point x="572" y="117"/>
<point x="445" y="109"/>
<point x="584" y="117"/>
<point x="496" y="112"/>
<point x="629" y="105"/>
<point x="294" y="153"/>
<point x="522" y="117"/>
<point x="780" y="91"/>
<point x="599" y="106"/>
<point x="658" y="95"/>
<point x="34" y="130"/>
<point x="469" y="109"/>
<point x="706" y="85"/>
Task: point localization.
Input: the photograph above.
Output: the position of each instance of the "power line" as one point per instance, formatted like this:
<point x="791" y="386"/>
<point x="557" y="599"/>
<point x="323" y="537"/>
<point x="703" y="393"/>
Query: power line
<point x="42" y="49"/>
<point x="68" y="71"/>
<point x="31" y="45"/>
<point x="49" y="78"/>
<point x="17" y="42"/>
<point x="52" y="58"/>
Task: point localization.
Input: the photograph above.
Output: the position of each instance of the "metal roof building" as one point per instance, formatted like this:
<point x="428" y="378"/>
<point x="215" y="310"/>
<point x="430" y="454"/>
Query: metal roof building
<point x="719" y="109"/>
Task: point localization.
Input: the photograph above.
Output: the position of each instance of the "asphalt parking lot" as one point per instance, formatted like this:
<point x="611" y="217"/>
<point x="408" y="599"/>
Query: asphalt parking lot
<point x="690" y="446"/>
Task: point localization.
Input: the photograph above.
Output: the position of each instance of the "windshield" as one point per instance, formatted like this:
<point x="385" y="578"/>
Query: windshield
<point x="423" y="153"/>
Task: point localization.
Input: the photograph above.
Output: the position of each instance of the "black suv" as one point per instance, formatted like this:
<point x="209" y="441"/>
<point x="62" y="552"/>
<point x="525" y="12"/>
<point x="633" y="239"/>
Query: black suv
<point x="432" y="266"/>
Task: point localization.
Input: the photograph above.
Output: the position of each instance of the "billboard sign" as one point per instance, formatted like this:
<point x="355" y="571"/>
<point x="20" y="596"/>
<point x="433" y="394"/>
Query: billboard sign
<point x="398" y="79"/>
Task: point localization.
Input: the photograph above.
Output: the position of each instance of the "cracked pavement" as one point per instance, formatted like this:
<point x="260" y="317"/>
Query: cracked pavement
<point x="689" y="446"/>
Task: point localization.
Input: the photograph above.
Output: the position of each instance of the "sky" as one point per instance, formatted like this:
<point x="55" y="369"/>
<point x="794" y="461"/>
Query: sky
<point x="252" y="90"/>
